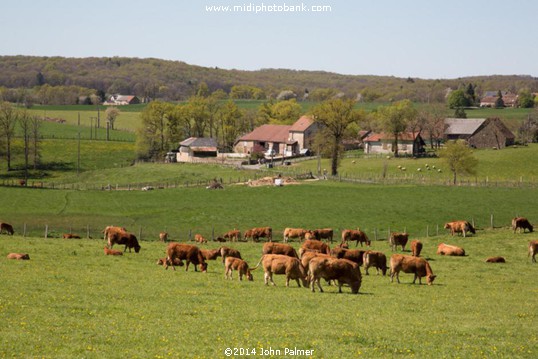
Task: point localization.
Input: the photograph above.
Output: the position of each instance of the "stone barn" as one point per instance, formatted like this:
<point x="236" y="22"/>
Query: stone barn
<point x="480" y="132"/>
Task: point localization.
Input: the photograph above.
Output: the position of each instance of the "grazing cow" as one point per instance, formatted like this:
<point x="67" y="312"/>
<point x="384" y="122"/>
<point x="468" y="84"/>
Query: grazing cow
<point x="257" y="233"/>
<point x="239" y="265"/>
<point x="355" y="235"/>
<point x="323" y="233"/>
<point x="460" y="227"/>
<point x="450" y="250"/>
<point x="279" y="248"/>
<point x="110" y="230"/>
<point x="281" y="264"/>
<point x="316" y="245"/>
<point x="416" y="248"/>
<point x="340" y="270"/>
<point x="495" y="260"/>
<point x="521" y="223"/>
<point x="409" y="264"/>
<point x="298" y="233"/>
<point x="233" y="235"/>
<point x="375" y="259"/>
<point x="310" y="235"/>
<point x="533" y="249"/>
<point x="398" y="239"/>
<point x="229" y="252"/>
<point x="177" y="262"/>
<point x="6" y="227"/>
<point x="187" y="252"/>
<point x="199" y="238"/>
<point x="210" y="254"/>
<point x="70" y="236"/>
<point x="21" y="256"/>
<point x="112" y="252"/>
<point x="125" y="238"/>
<point x="163" y="236"/>
<point x="354" y="255"/>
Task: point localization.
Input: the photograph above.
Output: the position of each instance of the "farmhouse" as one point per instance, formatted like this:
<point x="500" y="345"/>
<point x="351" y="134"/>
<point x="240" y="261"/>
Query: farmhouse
<point x="121" y="100"/>
<point x="196" y="149"/>
<point x="479" y="132"/>
<point x="279" y="140"/>
<point x="408" y="143"/>
<point x="490" y="97"/>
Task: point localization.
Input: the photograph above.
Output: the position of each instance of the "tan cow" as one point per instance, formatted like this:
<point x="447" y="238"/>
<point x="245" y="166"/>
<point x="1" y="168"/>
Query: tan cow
<point x="297" y="233"/>
<point x="281" y="264"/>
<point x="520" y="223"/>
<point x="375" y="259"/>
<point x="210" y="254"/>
<point x="323" y="233"/>
<point x="188" y="252"/>
<point x="409" y="264"/>
<point x="314" y="244"/>
<point x="416" y="248"/>
<point x="460" y="227"/>
<point x="398" y="239"/>
<point x="279" y="248"/>
<point x="6" y="227"/>
<point x="354" y="255"/>
<point x="233" y="235"/>
<point x="20" y="256"/>
<point x="259" y="232"/>
<point x="355" y="235"/>
<point x="112" y="252"/>
<point x="229" y="252"/>
<point x="496" y="260"/>
<point x="239" y="265"/>
<point x="163" y="236"/>
<point x="177" y="262"/>
<point x="450" y="250"/>
<point x="533" y="249"/>
<point x="199" y="238"/>
<point x="111" y="230"/>
<point x="341" y="270"/>
<point x="70" y="236"/>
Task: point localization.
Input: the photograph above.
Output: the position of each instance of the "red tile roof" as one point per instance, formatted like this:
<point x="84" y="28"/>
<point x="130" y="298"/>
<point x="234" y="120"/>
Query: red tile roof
<point x="302" y="124"/>
<point x="268" y="133"/>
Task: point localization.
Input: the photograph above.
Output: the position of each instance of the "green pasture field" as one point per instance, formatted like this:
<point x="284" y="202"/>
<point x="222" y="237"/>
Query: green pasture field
<point x="70" y="300"/>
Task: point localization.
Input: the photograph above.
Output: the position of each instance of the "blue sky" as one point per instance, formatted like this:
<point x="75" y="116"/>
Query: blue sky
<point x="417" y="38"/>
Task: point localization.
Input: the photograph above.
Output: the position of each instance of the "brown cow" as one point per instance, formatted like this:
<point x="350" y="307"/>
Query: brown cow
<point x="533" y="249"/>
<point x="112" y="252"/>
<point x="279" y="248"/>
<point x="308" y="254"/>
<point x="239" y="265"/>
<point x="355" y="235"/>
<point x="281" y="264"/>
<point x="521" y="223"/>
<point x="354" y="255"/>
<point x="70" y="236"/>
<point x="398" y="239"/>
<point x="163" y="236"/>
<point x="188" y="252"/>
<point x="110" y="230"/>
<point x="210" y="254"/>
<point x="323" y="233"/>
<point x="233" y="235"/>
<point x="6" y="227"/>
<point x="21" y="256"/>
<point x="450" y="250"/>
<point x="340" y="270"/>
<point x="409" y="264"/>
<point x="260" y="232"/>
<point x="298" y="233"/>
<point x="375" y="259"/>
<point x="125" y="238"/>
<point x="460" y="227"/>
<point x="199" y="238"/>
<point x="229" y="252"/>
<point x="496" y="260"/>
<point x="316" y="245"/>
<point x="162" y="261"/>
<point x="416" y="248"/>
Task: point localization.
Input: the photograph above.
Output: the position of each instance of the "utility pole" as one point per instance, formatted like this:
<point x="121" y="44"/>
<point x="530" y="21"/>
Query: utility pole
<point x="78" y="150"/>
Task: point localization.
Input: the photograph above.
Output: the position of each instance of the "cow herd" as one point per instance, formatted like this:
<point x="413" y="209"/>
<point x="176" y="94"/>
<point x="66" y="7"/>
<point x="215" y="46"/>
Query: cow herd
<point x="315" y="260"/>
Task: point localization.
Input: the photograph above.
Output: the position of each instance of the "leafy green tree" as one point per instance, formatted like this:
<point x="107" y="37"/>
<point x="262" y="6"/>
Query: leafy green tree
<point x="152" y="140"/>
<point x="457" y="99"/>
<point x="231" y="125"/>
<point x="525" y="99"/>
<point x="459" y="158"/>
<point x="470" y="94"/>
<point x="499" y="102"/>
<point x="203" y="90"/>
<point x="460" y="113"/>
<point x="335" y="116"/>
<point x="285" y="112"/>
<point x="111" y="115"/>
<point x="395" y="118"/>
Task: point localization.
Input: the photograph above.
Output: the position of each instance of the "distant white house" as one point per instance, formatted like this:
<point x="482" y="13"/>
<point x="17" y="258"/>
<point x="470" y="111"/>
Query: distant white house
<point x="195" y="149"/>
<point x="381" y="143"/>
<point x="121" y="100"/>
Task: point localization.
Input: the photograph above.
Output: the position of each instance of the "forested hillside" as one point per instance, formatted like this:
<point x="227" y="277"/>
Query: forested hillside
<point x="175" y="80"/>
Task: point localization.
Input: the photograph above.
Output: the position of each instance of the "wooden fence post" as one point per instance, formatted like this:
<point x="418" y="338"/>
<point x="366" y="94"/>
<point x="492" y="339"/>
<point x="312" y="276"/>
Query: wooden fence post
<point x="88" y="231"/>
<point x="491" y="221"/>
<point x="46" y="231"/>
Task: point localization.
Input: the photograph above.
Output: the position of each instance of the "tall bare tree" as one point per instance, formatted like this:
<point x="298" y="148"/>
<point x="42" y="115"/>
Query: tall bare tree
<point x="8" y="118"/>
